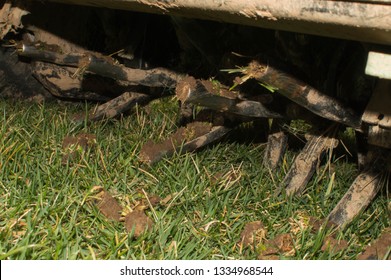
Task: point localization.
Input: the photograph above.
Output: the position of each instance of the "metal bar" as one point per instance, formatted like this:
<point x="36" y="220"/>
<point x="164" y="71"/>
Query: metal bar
<point x="363" y="21"/>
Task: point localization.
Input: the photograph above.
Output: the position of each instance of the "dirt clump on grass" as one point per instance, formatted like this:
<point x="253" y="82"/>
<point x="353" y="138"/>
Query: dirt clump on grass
<point x="74" y="146"/>
<point x="380" y="249"/>
<point x="154" y="200"/>
<point x="137" y="222"/>
<point x="151" y="152"/>
<point x="271" y="249"/>
<point x="107" y="204"/>
<point x="252" y="234"/>
<point x="334" y="245"/>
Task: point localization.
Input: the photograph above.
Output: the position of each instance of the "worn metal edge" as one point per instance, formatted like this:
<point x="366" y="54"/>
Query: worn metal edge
<point x="362" y="21"/>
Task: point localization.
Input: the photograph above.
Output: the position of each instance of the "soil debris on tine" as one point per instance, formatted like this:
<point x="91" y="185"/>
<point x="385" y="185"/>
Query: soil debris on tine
<point x="218" y="97"/>
<point x="363" y="189"/>
<point x="115" y="106"/>
<point x="306" y="162"/>
<point x="11" y="18"/>
<point x="104" y="66"/>
<point x="301" y="93"/>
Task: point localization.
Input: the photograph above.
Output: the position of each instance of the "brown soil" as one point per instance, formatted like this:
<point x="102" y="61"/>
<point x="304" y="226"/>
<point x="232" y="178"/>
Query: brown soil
<point x="282" y="244"/>
<point x="150" y="152"/>
<point x="108" y="205"/>
<point x="184" y="87"/>
<point x="137" y="221"/>
<point x="378" y="249"/>
<point x="252" y="234"/>
<point x="219" y="89"/>
<point x="167" y="199"/>
<point x="154" y="200"/>
<point x="333" y="245"/>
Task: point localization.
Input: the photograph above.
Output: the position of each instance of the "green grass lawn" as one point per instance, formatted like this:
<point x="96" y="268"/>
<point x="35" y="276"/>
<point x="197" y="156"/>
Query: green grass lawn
<point x="46" y="210"/>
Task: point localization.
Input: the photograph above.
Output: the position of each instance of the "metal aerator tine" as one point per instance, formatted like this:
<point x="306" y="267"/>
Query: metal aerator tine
<point x="362" y="191"/>
<point x="302" y="93"/>
<point x="306" y="162"/>
<point x="277" y="143"/>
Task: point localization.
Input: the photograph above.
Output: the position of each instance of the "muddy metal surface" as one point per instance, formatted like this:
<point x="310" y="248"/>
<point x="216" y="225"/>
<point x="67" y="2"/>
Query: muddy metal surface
<point x="362" y="20"/>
